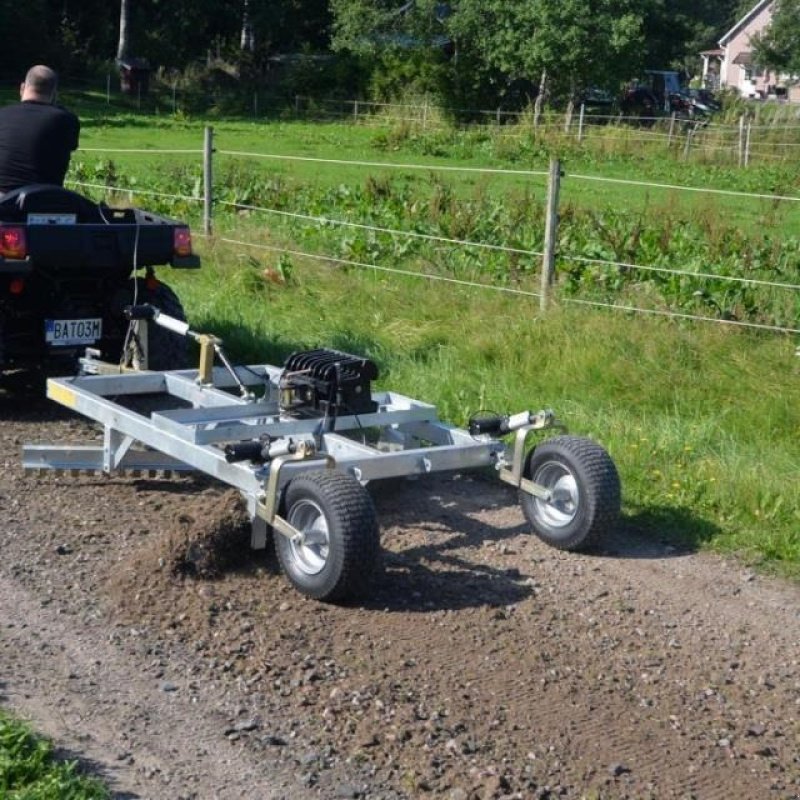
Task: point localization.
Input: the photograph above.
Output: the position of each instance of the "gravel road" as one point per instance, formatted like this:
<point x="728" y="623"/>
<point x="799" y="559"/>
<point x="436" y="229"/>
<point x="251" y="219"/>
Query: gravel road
<point x="138" y="631"/>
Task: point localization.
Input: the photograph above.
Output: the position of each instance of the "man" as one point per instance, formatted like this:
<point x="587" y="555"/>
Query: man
<point x="37" y="136"/>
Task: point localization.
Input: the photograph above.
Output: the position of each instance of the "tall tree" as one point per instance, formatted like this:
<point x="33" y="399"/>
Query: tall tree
<point x="778" y="47"/>
<point x="578" y="43"/>
<point x="124" y="44"/>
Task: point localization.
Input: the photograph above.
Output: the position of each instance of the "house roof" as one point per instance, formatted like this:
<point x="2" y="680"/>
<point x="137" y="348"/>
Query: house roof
<point x="745" y="20"/>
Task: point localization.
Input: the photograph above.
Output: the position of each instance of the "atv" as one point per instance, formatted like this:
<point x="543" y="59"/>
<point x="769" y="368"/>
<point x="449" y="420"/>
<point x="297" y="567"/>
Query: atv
<point x="70" y="267"/>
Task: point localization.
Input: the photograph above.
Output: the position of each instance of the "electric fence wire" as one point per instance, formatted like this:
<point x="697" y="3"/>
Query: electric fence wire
<point x="512" y="291"/>
<point x="514" y="172"/>
<point x="378" y="229"/>
<point x="133" y="192"/>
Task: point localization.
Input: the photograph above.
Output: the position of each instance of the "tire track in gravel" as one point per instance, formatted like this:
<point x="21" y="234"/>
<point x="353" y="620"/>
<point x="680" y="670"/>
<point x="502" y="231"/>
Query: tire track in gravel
<point x="641" y="671"/>
<point x="84" y="694"/>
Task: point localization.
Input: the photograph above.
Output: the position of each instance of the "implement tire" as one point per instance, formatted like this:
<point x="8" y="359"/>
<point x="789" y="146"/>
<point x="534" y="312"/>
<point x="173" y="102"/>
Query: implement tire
<point x="585" y="502"/>
<point x="336" y="555"/>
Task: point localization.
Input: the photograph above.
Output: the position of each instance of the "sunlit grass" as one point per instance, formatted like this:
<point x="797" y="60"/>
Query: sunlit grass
<point x="29" y="769"/>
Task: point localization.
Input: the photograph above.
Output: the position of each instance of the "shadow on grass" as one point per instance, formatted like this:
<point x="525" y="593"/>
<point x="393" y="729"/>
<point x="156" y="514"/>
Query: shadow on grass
<point x="244" y="346"/>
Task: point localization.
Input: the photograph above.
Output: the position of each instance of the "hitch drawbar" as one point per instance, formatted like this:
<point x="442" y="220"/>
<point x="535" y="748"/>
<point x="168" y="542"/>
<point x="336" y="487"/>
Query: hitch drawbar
<point x="498" y="425"/>
<point x="301" y="442"/>
<point x="261" y="451"/>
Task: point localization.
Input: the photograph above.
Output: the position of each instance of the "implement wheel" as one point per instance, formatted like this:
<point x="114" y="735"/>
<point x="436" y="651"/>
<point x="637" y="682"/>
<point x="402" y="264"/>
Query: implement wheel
<point x="335" y="554"/>
<point x="584" y="483"/>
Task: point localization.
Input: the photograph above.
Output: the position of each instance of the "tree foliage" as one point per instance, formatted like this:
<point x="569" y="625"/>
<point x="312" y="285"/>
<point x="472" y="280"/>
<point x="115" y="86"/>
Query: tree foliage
<point x="778" y="48"/>
<point x="468" y="51"/>
<point x="578" y="42"/>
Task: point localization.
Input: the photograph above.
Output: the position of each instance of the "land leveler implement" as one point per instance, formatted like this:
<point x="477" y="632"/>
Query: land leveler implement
<point x="301" y="442"/>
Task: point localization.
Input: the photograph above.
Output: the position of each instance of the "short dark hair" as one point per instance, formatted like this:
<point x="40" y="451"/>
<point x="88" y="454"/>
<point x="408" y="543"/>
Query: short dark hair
<point x="42" y="80"/>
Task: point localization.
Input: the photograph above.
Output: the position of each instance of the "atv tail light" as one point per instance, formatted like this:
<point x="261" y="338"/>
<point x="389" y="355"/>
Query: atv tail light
<point x="182" y="241"/>
<point x="17" y="286"/>
<point x="12" y="242"/>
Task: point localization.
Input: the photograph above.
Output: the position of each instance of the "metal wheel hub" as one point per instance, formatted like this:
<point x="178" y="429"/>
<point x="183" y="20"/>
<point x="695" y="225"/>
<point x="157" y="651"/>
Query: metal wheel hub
<point x="560" y="510"/>
<point x="309" y="549"/>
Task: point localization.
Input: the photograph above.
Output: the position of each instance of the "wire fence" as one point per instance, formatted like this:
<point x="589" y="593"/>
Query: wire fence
<point x="690" y="132"/>
<point x="550" y="255"/>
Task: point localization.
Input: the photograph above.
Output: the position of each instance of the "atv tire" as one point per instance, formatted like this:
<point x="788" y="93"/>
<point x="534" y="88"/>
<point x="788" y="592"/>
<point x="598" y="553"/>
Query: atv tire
<point x="166" y="349"/>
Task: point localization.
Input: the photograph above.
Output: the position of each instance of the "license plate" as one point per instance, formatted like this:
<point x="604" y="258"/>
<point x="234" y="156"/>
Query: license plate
<point x="66" y="332"/>
<point x="52" y="219"/>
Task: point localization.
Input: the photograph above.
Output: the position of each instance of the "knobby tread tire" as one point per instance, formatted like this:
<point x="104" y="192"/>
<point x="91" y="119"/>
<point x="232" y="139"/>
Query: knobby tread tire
<point x="354" y="537"/>
<point x="166" y="349"/>
<point x="598" y="485"/>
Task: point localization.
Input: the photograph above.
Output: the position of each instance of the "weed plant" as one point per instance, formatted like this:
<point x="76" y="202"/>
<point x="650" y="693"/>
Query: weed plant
<point x="30" y="771"/>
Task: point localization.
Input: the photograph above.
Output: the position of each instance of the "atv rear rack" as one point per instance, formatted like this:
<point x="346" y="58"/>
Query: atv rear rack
<point x="211" y="420"/>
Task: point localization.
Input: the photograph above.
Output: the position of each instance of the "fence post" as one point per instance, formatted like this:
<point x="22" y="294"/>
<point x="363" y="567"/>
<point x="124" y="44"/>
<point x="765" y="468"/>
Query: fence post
<point x="425" y="115"/>
<point x="672" y="120"/>
<point x="688" y="145"/>
<point x="208" y="199"/>
<point x="255" y="105"/>
<point x="355" y="111"/>
<point x="747" y="144"/>
<point x="550" y="233"/>
<point x="581" y="119"/>
<point x="741" y="140"/>
<point x="108" y="88"/>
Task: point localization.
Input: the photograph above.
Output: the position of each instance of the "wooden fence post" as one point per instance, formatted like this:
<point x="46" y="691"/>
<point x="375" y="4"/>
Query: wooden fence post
<point x="688" y="146"/>
<point x="741" y="141"/>
<point x="672" y="121"/>
<point x="581" y="120"/>
<point x="550" y="233"/>
<point x="208" y="198"/>
<point x="747" y="144"/>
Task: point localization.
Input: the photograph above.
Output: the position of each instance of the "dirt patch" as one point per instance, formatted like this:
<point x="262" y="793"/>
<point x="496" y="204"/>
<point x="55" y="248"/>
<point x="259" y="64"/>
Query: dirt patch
<point x="483" y="665"/>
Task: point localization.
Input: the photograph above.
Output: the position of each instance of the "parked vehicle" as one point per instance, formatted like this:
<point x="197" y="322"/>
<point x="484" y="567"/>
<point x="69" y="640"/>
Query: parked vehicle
<point x="68" y="269"/>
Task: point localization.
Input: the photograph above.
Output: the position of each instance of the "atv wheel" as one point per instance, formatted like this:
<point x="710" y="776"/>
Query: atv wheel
<point x="336" y="551"/>
<point x="165" y="349"/>
<point x="585" y="489"/>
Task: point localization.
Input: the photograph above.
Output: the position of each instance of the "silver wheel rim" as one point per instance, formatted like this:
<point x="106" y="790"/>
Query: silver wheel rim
<point x="309" y="549"/>
<point x="560" y="510"/>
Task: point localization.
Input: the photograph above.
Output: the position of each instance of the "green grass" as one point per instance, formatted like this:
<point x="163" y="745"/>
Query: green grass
<point x="29" y="769"/>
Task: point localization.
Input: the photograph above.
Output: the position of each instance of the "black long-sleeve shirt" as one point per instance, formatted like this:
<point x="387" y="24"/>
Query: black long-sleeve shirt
<point x="36" y="141"/>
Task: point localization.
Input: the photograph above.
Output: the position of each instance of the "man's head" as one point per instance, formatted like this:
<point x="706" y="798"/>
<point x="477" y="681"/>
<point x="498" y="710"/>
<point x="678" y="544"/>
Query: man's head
<point x="40" y="84"/>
